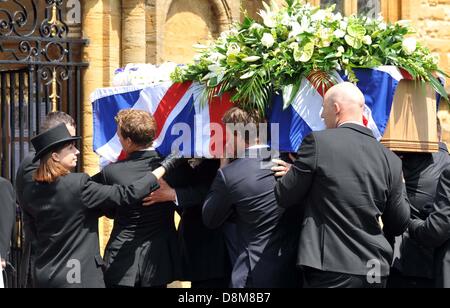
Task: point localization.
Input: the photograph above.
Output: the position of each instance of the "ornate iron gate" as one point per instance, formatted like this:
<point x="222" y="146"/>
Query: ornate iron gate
<point x="40" y="71"/>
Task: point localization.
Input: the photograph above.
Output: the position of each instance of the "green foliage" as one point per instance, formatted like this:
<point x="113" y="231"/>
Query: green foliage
<point x="297" y="41"/>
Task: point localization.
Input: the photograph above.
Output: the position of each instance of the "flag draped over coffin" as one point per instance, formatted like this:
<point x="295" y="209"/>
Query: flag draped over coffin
<point x="178" y="106"/>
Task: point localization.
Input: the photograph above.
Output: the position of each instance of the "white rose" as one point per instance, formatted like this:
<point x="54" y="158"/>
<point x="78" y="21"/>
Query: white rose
<point x="409" y="45"/>
<point x="343" y="24"/>
<point x="267" y="40"/>
<point x="339" y="33"/>
<point x="382" y="26"/>
<point x="367" y="40"/>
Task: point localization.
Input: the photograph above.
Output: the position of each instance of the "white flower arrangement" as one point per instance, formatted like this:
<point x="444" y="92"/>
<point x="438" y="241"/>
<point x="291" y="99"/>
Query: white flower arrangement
<point x="136" y="74"/>
<point x="299" y="40"/>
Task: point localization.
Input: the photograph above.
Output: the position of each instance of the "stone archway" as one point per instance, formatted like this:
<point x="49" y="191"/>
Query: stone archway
<point x="192" y="21"/>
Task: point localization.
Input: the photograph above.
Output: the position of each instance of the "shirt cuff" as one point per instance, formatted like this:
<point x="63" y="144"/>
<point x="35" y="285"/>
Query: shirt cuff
<point x="176" y="200"/>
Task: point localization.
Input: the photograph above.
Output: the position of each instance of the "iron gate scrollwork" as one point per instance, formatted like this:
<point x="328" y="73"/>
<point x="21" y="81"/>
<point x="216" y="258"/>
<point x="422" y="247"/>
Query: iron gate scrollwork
<point x="40" y="71"/>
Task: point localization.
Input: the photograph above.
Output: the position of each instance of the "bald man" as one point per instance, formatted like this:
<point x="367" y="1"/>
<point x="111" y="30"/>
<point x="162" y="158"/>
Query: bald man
<point x="351" y="191"/>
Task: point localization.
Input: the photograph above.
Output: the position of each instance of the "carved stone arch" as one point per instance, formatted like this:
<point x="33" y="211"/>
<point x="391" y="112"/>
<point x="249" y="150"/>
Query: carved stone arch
<point x="221" y="7"/>
<point x="187" y="22"/>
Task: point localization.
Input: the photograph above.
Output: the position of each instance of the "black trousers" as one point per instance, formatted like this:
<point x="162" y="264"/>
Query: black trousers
<point x="322" y="279"/>
<point x="398" y="281"/>
<point x="221" y="283"/>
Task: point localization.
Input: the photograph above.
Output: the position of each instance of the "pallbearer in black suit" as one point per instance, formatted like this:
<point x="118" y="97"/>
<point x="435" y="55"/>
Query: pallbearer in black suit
<point x="143" y="249"/>
<point x="203" y="251"/>
<point x="347" y="183"/>
<point x="65" y="208"/>
<point x="263" y="249"/>
<point x="434" y="232"/>
<point x="414" y="266"/>
<point x="7" y="219"/>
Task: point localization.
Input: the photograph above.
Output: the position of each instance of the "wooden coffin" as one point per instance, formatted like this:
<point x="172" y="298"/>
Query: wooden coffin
<point x="412" y="126"/>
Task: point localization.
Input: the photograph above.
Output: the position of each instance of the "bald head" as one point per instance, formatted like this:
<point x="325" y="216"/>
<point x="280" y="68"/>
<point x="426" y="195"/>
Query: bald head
<point x="343" y="103"/>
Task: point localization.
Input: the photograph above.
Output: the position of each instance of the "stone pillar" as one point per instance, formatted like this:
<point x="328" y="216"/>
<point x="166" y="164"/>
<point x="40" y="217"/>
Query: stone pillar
<point x="101" y="21"/>
<point x="150" y="32"/>
<point x="133" y="30"/>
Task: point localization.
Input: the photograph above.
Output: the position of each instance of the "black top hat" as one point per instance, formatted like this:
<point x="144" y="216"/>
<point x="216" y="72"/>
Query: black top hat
<point x="46" y="141"/>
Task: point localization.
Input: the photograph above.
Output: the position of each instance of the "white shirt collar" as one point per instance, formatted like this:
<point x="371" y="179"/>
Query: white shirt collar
<point x="258" y="146"/>
<point x="352" y="122"/>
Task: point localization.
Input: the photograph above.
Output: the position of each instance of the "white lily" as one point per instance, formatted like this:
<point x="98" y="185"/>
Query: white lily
<point x="216" y="57"/>
<point x="233" y="49"/>
<point x="200" y="46"/>
<point x="248" y="75"/>
<point x="268" y="16"/>
<point x="320" y="15"/>
<point x="256" y="26"/>
<point x="296" y="30"/>
<point x="251" y="59"/>
<point x="286" y="20"/>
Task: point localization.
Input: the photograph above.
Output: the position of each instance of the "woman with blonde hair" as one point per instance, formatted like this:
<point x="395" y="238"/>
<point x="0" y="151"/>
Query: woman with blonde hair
<point x="66" y="206"/>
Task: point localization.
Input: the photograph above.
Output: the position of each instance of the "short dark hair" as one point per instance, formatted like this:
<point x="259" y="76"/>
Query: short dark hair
<point x="137" y="125"/>
<point x="55" y="118"/>
<point x="238" y="116"/>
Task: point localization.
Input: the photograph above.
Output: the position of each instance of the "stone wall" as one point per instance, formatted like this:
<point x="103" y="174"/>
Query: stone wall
<point x="431" y="18"/>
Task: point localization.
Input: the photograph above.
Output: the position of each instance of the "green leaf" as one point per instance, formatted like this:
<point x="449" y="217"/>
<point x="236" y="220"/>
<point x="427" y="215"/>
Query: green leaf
<point x="438" y="86"/>
<point x="290" y="93"/>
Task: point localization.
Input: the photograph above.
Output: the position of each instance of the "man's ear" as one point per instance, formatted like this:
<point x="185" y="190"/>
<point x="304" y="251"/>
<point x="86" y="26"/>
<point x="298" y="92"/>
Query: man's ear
<point x="337" y="108"/>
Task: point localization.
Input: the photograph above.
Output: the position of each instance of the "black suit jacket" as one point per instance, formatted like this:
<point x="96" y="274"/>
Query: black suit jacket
<point x="434" y="232"/>
<point x="7" y="216"/>
<point x="265" y="243"/>
<point x="203" y="251"/>
<point x="345" y="180"/>
<point x="422" y="172"/>
<point x="143" y="248"/>
<point x="65" y="216"/>
<point x="24" y="176"/>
